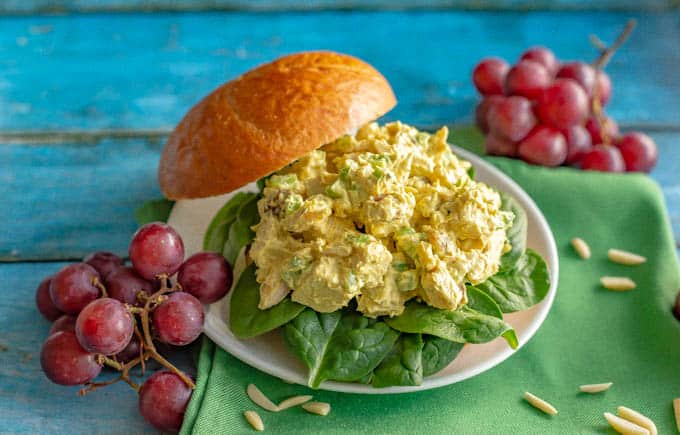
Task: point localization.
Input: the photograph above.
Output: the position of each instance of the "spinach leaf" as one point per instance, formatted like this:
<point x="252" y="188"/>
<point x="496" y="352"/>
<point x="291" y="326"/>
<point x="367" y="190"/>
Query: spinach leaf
<point x="240" y="234"/>
<point x="525" y="285"/>
<point x="471" y="172"/>
<point x="218" y="230"/>
<point x="246" y="319"/>
<point x="341" y="346"/>
<point x="480" y="301"/>
<point x="403" y="365"/>
<point x="155" y="210"/>
<point x="438" y="353"/>
<point x="516" y="234"/>
<point x="464" y="325"/>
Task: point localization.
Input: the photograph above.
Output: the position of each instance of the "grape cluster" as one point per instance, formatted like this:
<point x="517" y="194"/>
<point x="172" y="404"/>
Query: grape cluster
<point x="107" y="314"/>
<point x="550" y="113"/>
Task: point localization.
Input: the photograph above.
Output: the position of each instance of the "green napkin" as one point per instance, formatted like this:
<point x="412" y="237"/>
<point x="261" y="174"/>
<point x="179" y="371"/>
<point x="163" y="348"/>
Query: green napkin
<point x="591" y="335"/>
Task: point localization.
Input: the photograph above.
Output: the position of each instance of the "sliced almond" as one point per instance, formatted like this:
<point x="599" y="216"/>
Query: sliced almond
<point x="617" y="283"/>
<point x="625" y="257"/>
<point x="260" y="399"/>
<point x="623" y="426"/>
<point x="637" y="418"/>
<point x="676" y="411"/>
<point x="293" y="401"/>
<point x="540" y="404"/>
<point x="254" y="419"/>
<point x="581" y="247"/>
<point x="595" y="388"/>
<point x="319" y="408"/>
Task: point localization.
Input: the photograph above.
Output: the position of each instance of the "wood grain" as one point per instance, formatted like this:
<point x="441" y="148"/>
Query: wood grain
<point x="91" y="6"/>
<point x="143" y="71"/>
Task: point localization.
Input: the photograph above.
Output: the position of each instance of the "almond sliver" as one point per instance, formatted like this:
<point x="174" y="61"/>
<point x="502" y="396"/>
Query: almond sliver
<point x="319" y="408"/>
<point x="617" y="283"/>
<point x="676" y="411"/>
<point x="581" y="247"/>
<point x="637" y="418"/>
<point x="293" y="401"/>
<point x="625" y="257"/>
<point x="254" y="419"/>
<point x="540" y="404"/>
<point x="595" y="388"/>
<point x="623" y="426"/>
<point x="260" y="399"/>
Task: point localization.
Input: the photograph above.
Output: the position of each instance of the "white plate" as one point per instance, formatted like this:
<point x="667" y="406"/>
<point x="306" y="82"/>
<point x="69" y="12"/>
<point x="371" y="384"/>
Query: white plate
<point x="268" y="352"/>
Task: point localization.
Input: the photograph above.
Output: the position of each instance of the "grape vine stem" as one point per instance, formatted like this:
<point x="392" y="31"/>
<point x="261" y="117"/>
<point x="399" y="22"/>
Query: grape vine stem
<point x="146" y="347"/>
<point x="606" y="53"/>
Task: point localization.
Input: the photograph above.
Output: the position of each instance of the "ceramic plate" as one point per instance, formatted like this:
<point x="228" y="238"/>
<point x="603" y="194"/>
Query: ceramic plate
<point x="268" y="352"/>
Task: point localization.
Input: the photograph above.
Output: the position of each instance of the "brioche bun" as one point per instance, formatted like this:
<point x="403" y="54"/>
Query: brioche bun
<point x="270" y="116"/>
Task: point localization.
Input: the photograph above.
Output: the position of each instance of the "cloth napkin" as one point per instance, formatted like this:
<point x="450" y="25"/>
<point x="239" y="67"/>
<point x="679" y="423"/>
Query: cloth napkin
<point x="591" y="335"/>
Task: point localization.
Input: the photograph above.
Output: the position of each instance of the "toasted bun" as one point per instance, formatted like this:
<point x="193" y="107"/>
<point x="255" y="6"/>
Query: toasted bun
<point x="258" y="123"/>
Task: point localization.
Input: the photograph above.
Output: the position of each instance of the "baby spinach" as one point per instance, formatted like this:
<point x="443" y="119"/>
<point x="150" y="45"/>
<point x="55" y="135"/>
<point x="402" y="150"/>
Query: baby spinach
<point x="438" y="353"/>
<point x="403" y="365"/>
<point x="218" y="230"/>
<point x="341" y="346"/>
<point x="246" y="319"/>
<point x="521" y="287"/>
<point x="240" y="234"/>
<point x="480" y="301"/>
<point x="516" y="234"/>
<point x="463" y="325"/>
<point x="154" y="210"/>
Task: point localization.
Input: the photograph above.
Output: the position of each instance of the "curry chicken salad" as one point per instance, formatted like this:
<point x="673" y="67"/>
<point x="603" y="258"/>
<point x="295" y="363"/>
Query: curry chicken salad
<point x="378" y="256"/>
<point x="384" y="216"/>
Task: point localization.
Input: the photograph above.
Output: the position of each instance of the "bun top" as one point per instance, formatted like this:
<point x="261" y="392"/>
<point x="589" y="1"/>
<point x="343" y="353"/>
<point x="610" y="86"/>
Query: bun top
<point x="270" y="116"/>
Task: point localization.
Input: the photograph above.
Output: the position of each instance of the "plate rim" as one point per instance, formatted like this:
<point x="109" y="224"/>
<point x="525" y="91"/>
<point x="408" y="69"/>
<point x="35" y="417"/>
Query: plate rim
<point x="216" y="333"/>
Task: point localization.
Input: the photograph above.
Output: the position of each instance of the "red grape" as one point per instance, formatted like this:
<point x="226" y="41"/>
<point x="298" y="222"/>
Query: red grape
<point x="604" y="87"/>
<point x="500" y="147"/>
<point x="104" y="262"/>
<point x="205" y="275"/>
<point x="179" y="319"/>
<point x="163" y="399"/>
<point x="511" y="118"/>
<point x="482" y="111"/>
<point x="543" y="146"/>
<point x="603" y="158"/>
<point x="64" y="323"/>
<point x="130" y="352"/>
<point x="72" y="288"/>
<point x="543" y="56"/>
<point x="104" y="326"/>
<point x="489" y="75"/>
<point x="638" y="151"/>
<point x="156" y="249"/>
<point x="65" y="362"/>
<point x="527" y="79"/>
<point x="578" y="143"/>
<point x="563" y="104"/>
<point x="581" y="73"/>
<point x="43" y="301"/>
<point x="611" y="128"/>
<point x="124" y="284"/>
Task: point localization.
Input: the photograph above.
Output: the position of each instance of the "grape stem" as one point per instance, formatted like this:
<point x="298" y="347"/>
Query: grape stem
<point x="100" y="286"/>
<point x="146" y="347"/>
<point x="606" y="53"/>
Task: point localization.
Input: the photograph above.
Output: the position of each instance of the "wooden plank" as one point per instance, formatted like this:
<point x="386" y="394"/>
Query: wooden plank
<point x="64" y="201"/>
<point x="32" y="404"/>
<point x="90" y="6"/>
<point x="143" y="71"/>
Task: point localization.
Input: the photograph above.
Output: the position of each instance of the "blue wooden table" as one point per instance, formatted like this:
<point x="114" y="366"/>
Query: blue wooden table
<point x="88" y="94"/>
